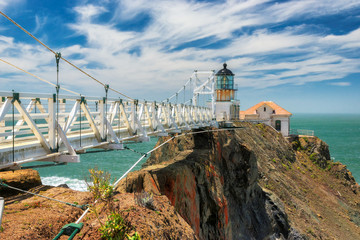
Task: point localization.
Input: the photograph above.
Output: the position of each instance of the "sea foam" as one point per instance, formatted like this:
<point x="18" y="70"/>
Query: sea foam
<point x="73" y="183"/>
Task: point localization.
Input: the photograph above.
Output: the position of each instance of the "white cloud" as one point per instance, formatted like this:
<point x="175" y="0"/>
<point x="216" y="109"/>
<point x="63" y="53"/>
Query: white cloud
<point x="350" y="40"/>
<point x="86" y="13"/>
<point x="156" y="69"/>
<point x="309" y="8"/>
<point x="341" y="84"/>
<point x="40" y="23"/>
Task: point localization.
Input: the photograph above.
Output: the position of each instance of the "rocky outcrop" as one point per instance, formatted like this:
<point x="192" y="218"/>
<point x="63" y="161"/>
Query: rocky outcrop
<point x="318" y="152"/>
<point x="211" y="179"/>
<point x="250" y="183"/>
<point x="315" y="148"/>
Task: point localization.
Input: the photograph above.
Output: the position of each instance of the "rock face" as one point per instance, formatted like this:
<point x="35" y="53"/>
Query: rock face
<point x="250" y="183"/>
<point x="211" y="179"/>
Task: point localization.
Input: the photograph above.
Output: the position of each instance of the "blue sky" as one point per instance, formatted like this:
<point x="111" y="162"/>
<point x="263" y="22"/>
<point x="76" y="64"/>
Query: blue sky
<point x="303" y="55"/>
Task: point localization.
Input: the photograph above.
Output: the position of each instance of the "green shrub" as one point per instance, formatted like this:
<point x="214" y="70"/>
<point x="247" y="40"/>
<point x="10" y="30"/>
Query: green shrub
<point x="100" y="186"/>
<point x="136" y="236"/>
<point x="115" y="228"/>
<point x="313" y="156"/>
<point x="285" y="166"/>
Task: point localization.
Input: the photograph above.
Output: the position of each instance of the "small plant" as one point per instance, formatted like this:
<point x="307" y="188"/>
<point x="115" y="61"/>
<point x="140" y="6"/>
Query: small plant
<point x="145" y="199"/>
<point x="313" y="156"/>
<point x="117" y="228"/>
<point x="329" y="167"/>
<point x="36" y="204"/>
<point x="269" y="186"/>
<point x="100" y="186"/>
<point x="136" y="236"/>
<point x="285" y="166"/>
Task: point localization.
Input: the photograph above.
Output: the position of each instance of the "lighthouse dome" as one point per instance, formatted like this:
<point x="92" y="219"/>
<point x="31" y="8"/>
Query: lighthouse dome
<point x="224" y="71"/>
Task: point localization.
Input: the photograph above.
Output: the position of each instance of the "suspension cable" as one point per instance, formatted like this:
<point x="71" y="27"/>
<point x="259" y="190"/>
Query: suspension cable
<point x="106" y="116"/>
<point x="83" y="207"/>
<point x="27" y="32"/>
<point x="135" y="151"/>
<point x="57" y="58"/>
<point x="41" y="79"/>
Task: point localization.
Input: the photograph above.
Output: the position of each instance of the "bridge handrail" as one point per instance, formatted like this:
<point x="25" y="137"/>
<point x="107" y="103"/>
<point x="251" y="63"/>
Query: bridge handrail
<point x="26" y="95"/>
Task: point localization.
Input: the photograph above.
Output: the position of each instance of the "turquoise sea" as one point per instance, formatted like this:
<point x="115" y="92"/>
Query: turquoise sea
<point x="340" y="132"/>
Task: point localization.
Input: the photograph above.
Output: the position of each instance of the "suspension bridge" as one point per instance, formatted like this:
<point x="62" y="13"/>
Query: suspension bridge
<point x="57" y="128"/>
<point x="48" y="129"/>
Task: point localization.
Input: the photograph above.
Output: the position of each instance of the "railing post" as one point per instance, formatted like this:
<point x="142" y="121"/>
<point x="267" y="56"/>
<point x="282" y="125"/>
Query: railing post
<point x="133" y="115"/>
<point x="51" y="123"/>
<point x="102" y="116"/>
<point x="2" y="123"/>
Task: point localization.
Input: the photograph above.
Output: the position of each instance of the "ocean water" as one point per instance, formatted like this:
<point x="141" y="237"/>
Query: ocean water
<point x="340" y="132"/>
<point x="115" y="162"/>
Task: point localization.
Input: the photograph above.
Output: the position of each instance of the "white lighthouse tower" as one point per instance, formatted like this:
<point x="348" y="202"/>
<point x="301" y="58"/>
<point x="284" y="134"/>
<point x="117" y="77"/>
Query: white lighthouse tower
<point x="226" y="106"/>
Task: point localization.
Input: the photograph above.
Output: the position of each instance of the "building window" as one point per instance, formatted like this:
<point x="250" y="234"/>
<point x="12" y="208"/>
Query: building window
<point x="278" y="125"/>
<point x="264" y="109"/>
<point x="273" y="111"/>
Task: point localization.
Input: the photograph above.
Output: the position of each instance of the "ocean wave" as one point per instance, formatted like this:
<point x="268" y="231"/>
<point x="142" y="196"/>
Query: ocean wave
<point x="73" y="183"/>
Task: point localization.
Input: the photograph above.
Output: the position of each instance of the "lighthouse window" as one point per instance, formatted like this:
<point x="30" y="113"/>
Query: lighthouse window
<point x="264" y="109"/>
<point x="224" y="83"/>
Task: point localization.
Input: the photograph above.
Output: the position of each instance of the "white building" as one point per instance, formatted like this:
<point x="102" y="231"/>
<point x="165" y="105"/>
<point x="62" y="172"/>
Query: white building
<point x="269" y="113"/>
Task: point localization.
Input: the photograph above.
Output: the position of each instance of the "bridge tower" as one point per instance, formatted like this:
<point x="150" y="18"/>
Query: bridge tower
<point x="227" y="108"/>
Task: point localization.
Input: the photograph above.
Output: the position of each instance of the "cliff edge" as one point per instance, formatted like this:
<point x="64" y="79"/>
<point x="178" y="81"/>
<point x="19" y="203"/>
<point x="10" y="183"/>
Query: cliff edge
<point x="251" y="183"/>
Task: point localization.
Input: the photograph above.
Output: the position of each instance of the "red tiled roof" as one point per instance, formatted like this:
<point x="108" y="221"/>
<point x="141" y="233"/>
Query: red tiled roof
<point x="278" y="110"/>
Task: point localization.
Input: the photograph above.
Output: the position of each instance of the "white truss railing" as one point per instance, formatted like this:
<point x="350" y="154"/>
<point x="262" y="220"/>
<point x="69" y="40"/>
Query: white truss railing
<point x="36" y="127"/>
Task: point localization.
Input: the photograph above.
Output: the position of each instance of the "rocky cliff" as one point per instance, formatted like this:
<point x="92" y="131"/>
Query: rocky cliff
<point x="251" y="183"/>
<point x="244" y="183"/>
